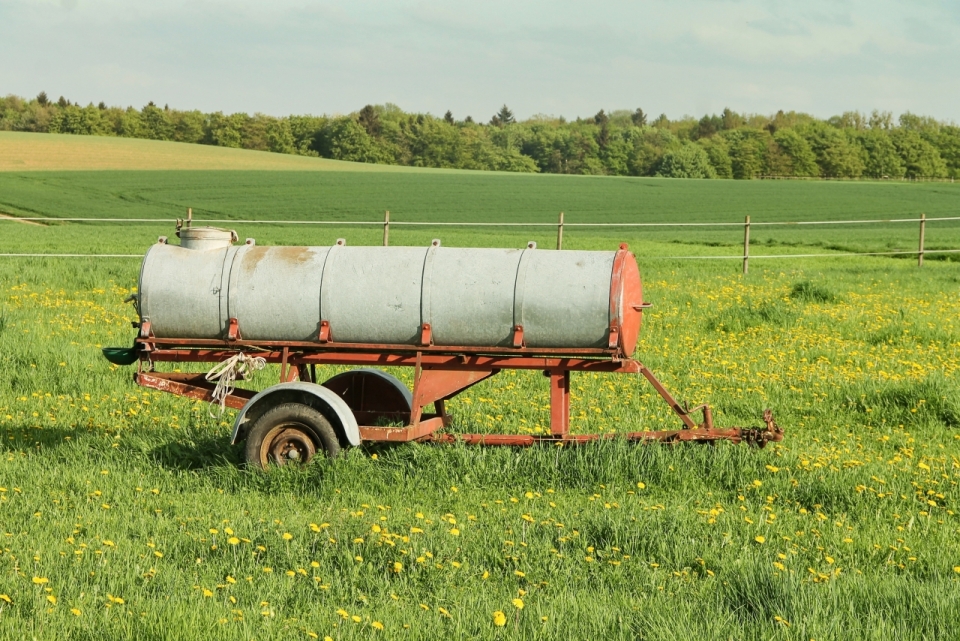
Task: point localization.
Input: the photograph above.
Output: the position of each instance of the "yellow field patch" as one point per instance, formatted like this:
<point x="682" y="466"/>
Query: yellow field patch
<point x="21" y="151"/>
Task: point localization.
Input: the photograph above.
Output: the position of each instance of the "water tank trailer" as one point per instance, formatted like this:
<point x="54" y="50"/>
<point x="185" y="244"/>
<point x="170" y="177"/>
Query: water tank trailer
<point x="457" y="316"/>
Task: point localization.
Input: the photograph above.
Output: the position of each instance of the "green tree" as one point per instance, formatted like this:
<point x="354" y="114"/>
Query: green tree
<point x="747" y="149"/>
<point x="639" y="118"/>
<point x="920" y="158"/>
<point x="802" y="160"/>
<point x="155" y="123"/>
<point x="346" y="139"/>
<point x="688" y="161"/>
<point x="881" y="158"/>
<point x="224" y="131"/>
<point x="837" y="156"/>
<point x="718" y="152"/>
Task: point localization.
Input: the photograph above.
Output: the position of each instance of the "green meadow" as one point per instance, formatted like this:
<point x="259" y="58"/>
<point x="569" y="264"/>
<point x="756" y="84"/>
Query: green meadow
<point x="125" y="513"/>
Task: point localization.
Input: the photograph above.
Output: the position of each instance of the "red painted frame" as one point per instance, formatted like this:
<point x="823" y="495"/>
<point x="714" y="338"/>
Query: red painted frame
<point x="440" y="373"/>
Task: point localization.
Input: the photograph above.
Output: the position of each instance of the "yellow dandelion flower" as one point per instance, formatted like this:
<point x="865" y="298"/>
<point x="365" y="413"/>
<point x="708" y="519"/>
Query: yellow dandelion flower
<point x="287" y="536"/>
<point x="207" y="593"/>
<point x="40" y="580"/>
<point x="518" y="603"/>
<point x="519" y="573"/>
<point x="75" y="612"/>
<point x="760" y="539"/>
<point x="499" y="619"/>
<point x="4" y="597"/>
<point x="356" y="619"/>
<point x="377" y="625"/>
<point x="455" y="532"/>
<point x="233" y="540"/>
<point x="52" y="599"/>
<point x="397" y="567"/>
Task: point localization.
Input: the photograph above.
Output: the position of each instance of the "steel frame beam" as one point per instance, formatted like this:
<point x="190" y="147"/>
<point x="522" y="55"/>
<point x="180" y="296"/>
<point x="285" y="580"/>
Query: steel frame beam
<point x="438" y="377"/>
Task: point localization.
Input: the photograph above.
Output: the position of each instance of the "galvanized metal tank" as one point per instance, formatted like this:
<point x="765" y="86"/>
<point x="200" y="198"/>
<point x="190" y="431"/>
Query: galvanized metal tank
<point x="385" y="295"/>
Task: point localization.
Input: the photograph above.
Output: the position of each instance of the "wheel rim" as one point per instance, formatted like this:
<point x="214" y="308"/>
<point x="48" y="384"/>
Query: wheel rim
<point x="287" y="444"/>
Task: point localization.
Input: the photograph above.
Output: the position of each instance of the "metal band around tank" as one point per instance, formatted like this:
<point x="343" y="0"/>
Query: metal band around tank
<point x="426" y="284"/>
<point x="233" y="277"/>
<point x="224" y="293"/>
<point x="519" y="287"/>
<point x="325" y="286"/>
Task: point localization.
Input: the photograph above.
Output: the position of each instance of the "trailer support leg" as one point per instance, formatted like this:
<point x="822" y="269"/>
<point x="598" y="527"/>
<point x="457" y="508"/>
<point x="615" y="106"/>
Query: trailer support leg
<point x="560" y="403"/>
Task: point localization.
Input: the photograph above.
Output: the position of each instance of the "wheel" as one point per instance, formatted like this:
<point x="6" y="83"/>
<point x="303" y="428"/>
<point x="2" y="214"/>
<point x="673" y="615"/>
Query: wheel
<point x="290" y="433"/>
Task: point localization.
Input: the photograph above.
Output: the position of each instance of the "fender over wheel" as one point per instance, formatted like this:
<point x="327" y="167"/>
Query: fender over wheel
<point x="290" y="433"/>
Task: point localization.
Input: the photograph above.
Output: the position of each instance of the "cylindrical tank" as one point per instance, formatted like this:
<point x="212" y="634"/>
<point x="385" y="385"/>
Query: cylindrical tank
<point x="385" y="295"/>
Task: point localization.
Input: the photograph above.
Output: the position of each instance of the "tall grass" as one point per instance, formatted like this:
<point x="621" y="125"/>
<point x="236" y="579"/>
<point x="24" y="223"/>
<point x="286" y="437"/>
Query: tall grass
<point x="132" y="511"/>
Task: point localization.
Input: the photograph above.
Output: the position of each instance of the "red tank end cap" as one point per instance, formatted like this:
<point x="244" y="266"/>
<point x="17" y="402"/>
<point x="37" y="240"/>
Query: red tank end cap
<point x="631" y="298"/>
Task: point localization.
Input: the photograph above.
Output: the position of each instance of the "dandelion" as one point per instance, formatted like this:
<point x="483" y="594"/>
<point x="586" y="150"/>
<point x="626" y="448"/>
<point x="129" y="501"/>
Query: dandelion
<point x="641" y="486"/>
<point x="75" y="612"/>
<point x="455" y="532"/>
<point x="444" y="612"/>
<point x="287" y="536"/>
<point x="4" y="597"/>
<point x="233" y="540"/>
<point x="377" y="625"/>
<point x="40" y="580"/>
<point x="207" y="593"/>
<point x="499" y="619"/>
<point x="519" y="573"/>
<point x="760" y="539"/>
<point x="356" y="619"/>
<point x="397" y="567"/>
<point x="518" y="603"/>
<point x="52" y="599"/>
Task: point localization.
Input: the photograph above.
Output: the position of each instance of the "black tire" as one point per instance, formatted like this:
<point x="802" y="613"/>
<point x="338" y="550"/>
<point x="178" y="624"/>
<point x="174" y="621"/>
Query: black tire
<point x="290" y="433"/>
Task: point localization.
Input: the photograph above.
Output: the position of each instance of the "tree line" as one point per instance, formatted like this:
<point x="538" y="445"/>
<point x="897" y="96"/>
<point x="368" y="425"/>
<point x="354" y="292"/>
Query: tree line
<point x="622" y="142"/>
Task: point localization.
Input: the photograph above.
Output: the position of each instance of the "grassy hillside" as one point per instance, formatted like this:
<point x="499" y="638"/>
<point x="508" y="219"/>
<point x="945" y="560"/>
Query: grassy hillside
<point x="63" y="152"/>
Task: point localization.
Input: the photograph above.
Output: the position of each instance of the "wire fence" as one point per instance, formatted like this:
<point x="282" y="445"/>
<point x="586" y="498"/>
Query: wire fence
<point x="386" y="223"/>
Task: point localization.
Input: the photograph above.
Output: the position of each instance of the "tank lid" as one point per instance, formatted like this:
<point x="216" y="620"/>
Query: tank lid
<point x="206" y="238"/>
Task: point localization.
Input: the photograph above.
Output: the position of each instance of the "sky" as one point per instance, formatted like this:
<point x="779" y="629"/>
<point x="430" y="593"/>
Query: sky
<point x="679" y="57"/>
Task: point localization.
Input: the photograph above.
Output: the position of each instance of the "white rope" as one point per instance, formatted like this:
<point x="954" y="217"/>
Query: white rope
<point x="227" y="372"/>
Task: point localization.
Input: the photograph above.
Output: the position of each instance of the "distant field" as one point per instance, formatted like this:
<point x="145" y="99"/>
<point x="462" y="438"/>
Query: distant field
<point x="351" y="191"/>
<point x="63" y="152"/>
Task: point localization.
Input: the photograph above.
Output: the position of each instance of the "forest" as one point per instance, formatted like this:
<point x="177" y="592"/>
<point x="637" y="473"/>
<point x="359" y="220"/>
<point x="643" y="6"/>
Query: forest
<point x="620" y="142"/>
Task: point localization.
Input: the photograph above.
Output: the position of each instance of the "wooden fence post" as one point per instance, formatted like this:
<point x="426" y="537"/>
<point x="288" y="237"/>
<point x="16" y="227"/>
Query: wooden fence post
<point x="386" y="228"/>
<point x="746" y="245"/>
<point x="560" y="232"/>
<point x="923" y="224"/>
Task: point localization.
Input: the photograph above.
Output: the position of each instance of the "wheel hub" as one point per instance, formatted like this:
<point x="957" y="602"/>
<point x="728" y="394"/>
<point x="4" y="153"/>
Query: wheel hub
<point x="287" y="444"/>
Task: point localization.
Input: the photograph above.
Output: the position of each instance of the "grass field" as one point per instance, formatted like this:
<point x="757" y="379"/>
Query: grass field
<point x="125" y="514"/>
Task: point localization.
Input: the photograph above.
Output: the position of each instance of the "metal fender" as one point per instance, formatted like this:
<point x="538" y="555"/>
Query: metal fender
<point x="316" y="396"/>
